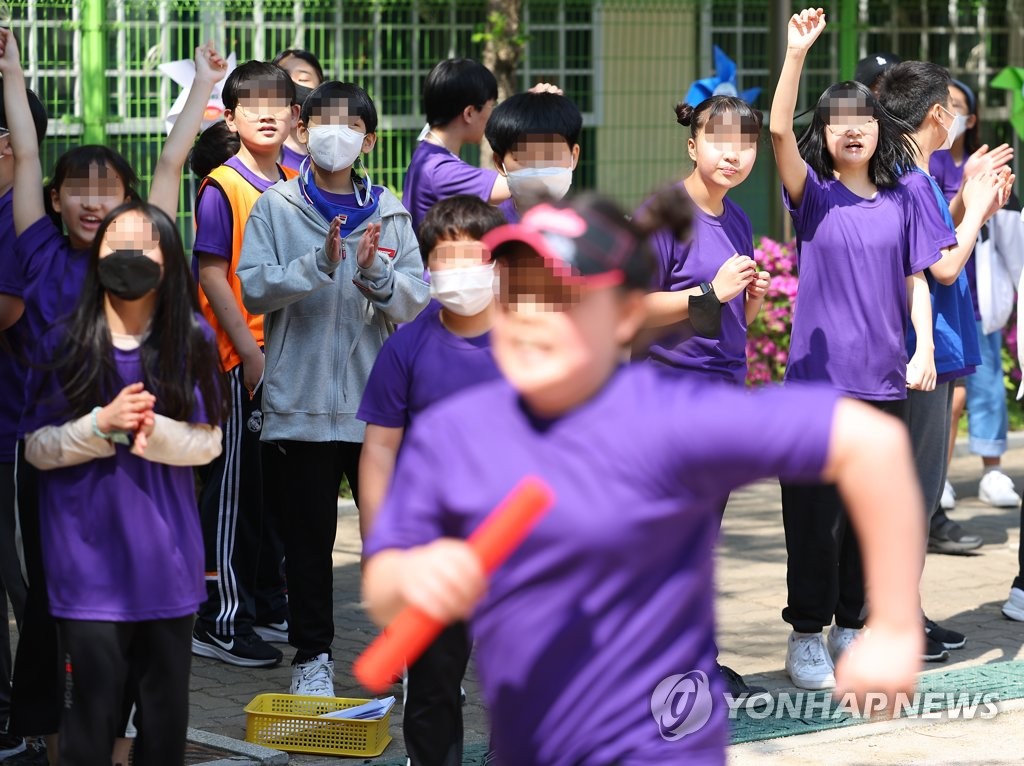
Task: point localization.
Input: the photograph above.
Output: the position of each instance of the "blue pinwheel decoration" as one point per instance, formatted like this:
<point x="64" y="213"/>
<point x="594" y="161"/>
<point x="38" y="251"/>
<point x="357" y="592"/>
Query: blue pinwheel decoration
<point x="722" y="84"/>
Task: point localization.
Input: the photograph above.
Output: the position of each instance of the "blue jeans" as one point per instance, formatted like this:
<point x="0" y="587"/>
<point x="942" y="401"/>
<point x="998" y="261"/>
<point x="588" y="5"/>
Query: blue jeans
<point x="987" y="418"/>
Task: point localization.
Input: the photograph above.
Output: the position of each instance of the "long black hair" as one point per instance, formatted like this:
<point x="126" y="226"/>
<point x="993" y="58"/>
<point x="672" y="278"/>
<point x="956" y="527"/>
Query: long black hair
<point x="894" y="155"/>
<point x="177" y="355"/>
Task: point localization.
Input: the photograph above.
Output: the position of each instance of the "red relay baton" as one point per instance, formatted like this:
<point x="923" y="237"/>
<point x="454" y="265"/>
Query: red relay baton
<point x="409" y="634"/>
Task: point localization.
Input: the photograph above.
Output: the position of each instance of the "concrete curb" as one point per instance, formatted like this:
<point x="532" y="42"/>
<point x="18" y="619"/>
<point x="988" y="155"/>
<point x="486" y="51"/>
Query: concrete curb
<point x="247" y="752"/>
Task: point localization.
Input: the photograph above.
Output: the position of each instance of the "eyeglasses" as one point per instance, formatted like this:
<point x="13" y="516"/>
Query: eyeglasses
<point x="841" y="128"/>
<point x="256" y="112"/>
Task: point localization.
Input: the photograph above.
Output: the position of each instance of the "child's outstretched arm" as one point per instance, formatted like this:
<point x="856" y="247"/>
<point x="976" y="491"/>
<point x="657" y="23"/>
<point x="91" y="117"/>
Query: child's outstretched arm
<point x="804" y="28"/>
<point x="163" y="192"/>
<point x="921" y="368"/>
<point x="871" y="462"/>
<point x="28" y="174"/>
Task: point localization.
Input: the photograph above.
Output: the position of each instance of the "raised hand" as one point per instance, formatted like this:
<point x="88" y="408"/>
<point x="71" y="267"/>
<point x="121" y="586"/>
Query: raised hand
<point x="984" y="160"/>
<point x="804" y="28"/>
<point x="332" y="245"/>
<point x="10" y="59"/>
<point x="368" y="246"/>
<point x="211" y="67"/>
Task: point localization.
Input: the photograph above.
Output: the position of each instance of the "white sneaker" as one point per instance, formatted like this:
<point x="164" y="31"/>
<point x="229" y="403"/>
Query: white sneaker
<point x="808" y="662"/>
<point x="1014" y="606"/>
<point x="996" y="488"/>
<point x="314" y="678"/>
<point x="948" y="500"/>
<point x="839" y="640"/>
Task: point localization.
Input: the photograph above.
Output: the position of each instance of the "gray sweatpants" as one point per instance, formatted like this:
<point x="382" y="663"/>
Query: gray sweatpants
<point x="929" y="416"/>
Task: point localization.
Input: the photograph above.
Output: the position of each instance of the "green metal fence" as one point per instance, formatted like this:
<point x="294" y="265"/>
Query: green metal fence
<point x="624" y="62"/>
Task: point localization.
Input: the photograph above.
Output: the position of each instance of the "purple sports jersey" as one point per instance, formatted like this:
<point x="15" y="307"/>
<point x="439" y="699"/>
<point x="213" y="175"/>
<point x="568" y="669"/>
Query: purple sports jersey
<point x="681" y="265"/>
<point x="612" y="591"/>
<point x="12" y="365"/>
<point x="946" y="172"/>
<point x="852" y="313"/>
<point x="290" y="158"/>
<point x="120" y="536"/>
<point x="435" y="174"/>
<point x="54" y="276"/>
<point x="947" y="175"/>
<point x="420" y="364"/>
<point x="509" y="210"/>
<point x="214" y="221"/>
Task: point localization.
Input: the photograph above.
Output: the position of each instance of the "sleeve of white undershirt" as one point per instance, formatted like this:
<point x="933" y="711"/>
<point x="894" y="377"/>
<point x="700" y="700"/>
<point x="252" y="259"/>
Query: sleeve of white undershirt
<point x="70" y="444"/>
<point x="176" y="443"/>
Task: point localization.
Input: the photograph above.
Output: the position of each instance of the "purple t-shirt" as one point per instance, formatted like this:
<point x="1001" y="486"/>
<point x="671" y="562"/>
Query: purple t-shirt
<point x="612" y="591"/>
<point x="509" y="210"/>
<point x="54" y="277"/>
<point x="681" y="265"/>
<point x="435" y="174"/>
<point x="420" y="364"/>
<point x="12" y="367"/>
<point x="947" y="175"/>
<point x="852" y="313"/>
<point x="214" y="220"/>
<point x="121" y="538"/>
<point x="290" y="158"/>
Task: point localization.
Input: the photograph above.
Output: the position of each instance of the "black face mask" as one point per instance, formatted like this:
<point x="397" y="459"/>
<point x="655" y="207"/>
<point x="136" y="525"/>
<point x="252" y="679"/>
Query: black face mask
<point x="128" y="274"/>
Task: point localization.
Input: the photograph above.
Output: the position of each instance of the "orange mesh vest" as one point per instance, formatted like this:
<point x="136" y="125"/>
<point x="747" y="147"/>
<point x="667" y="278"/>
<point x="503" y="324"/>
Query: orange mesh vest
<point x="241" y="196"/>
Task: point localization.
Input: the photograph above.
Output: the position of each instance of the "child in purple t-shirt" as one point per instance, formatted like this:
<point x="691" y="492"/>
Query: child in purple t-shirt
<point x="718" y="258"/>
<point x="307" y="74"/>
<point x="446" y="349"/>
<point x="12" y="400"/>
<point x="581" y="634"/>
<point x="86" y="184"/>
<point x="716" y="262"/>
<point x="128" y="396"/>
<point x="862" y="250"/>
<point x="534" y="137"/>
<point x="458" y="96"/>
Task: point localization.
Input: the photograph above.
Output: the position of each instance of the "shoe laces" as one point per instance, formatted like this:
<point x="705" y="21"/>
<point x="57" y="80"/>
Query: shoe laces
<point x="318" y="676"/>
<point x="811" y="650"/>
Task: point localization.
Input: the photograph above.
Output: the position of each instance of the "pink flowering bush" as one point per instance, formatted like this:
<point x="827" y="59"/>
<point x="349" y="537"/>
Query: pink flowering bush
<point x="768" y="335"/>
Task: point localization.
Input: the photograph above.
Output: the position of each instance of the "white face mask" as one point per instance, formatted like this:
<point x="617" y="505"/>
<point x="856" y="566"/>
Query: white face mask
<point x="533" y="184"/>
<point x="334" y="147"/>
<point x="465" y="292"/>
<point x="955" y="130"/>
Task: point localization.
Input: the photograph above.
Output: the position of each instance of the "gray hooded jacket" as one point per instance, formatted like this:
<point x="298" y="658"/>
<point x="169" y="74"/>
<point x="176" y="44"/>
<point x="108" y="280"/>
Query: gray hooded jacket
<point x="324" y="322"/>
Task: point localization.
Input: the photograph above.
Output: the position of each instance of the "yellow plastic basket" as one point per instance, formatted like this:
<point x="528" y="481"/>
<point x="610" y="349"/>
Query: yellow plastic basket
<point x="289" y="722"/>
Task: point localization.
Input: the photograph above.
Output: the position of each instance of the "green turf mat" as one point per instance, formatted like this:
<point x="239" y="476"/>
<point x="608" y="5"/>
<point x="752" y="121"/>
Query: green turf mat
<point x="978" y="687"/>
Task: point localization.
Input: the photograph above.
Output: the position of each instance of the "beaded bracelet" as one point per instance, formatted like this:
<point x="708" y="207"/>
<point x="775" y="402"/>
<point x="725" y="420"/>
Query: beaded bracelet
<point x="117" y="437"/>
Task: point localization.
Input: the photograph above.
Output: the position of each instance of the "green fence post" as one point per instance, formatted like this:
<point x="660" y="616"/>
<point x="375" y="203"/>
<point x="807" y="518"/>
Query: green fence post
<point x="847" y="39"/>
<point x="93" y="78"/>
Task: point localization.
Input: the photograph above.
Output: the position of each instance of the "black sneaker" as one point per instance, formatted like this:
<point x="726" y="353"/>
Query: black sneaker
<point x="949" y="639"/>
<point x="946" y="536"/>
<point x="933" y="650"/>
<point x="10" y="745"/>
<point x="33" y="754"/>
<point x="740" y="691"/>
<point x="246" y="650"/>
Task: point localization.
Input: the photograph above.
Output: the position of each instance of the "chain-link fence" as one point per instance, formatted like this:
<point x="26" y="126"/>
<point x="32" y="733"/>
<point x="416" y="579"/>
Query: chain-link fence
<point x="625" y="63"/>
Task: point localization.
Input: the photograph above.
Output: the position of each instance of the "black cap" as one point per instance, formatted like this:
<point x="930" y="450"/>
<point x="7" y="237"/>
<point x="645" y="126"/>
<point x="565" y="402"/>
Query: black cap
<point x="871" y="67"/>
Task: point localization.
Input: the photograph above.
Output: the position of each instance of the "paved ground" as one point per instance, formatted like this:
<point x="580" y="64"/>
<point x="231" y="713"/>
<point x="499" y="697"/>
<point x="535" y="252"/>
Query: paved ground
<point x="963" y="592"/>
